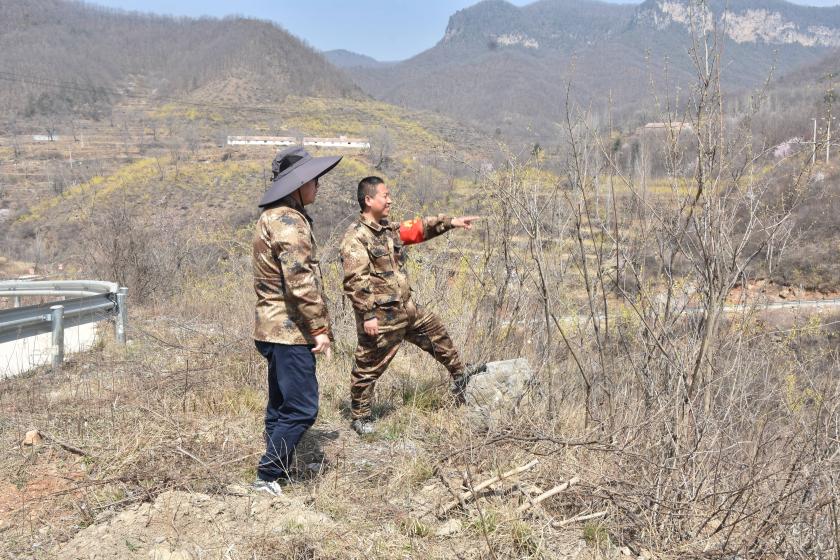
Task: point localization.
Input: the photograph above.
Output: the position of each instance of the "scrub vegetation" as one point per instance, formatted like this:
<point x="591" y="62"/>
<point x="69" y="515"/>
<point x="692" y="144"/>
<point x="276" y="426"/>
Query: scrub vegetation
<point x="610" y="260"/>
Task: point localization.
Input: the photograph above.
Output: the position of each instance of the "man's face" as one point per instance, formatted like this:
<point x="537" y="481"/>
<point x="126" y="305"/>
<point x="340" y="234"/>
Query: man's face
<point x="380" y="203"/>
<point x="308" y="192"/>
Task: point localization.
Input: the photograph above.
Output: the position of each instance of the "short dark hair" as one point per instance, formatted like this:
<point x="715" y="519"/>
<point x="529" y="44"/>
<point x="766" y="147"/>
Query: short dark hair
<point x="367" y="187"/>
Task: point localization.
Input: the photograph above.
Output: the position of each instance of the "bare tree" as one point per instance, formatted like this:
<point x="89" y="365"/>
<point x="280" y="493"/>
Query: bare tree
<point x="381" y="147"/>
<point x="637" y="345"/>
<point x="15" y="134"/>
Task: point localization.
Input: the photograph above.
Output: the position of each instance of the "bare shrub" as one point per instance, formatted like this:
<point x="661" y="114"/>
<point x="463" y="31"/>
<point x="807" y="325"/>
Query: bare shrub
<point x="141" y="252"/>
<point x="703" y="434"/>
<point x="381" y="147"/>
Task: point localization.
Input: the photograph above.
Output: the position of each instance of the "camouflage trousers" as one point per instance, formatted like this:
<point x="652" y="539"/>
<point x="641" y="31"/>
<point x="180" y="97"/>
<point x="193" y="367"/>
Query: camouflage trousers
<point x="374" y="353"/>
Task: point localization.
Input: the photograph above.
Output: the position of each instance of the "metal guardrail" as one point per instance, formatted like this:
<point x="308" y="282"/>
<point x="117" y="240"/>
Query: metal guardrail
<point x="90" y="302"/>
<point x="67" y="288"/>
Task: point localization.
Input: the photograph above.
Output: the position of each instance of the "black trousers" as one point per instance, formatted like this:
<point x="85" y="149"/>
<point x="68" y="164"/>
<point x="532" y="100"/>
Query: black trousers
<point x="292" y="404"/>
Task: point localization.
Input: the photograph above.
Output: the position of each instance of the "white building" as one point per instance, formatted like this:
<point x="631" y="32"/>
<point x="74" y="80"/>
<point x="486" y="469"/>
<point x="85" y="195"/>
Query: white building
<point x="339" y="142"/>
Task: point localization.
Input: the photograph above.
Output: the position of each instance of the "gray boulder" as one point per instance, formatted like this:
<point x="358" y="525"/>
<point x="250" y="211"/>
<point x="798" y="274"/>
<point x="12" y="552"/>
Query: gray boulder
<point x="494" y="393"/>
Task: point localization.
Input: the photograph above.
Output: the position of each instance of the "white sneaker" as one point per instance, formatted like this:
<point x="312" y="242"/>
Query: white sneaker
<point x="272" y="488"/>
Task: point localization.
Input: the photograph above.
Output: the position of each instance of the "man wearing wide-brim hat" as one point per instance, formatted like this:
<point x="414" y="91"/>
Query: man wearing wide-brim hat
<point x="291" y="319"/>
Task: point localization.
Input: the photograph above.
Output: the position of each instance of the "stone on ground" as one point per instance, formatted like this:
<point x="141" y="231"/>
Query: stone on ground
<point x="493" y="394"/>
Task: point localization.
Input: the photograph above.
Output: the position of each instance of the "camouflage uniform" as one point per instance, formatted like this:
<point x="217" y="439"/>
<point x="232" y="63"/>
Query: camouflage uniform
<point x="291" y="306"/>
<point x="375" y="281"/>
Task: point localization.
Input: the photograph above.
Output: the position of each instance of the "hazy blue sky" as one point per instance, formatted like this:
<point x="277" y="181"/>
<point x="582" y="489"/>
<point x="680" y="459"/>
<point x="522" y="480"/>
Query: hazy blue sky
<point x="383" y="29"/>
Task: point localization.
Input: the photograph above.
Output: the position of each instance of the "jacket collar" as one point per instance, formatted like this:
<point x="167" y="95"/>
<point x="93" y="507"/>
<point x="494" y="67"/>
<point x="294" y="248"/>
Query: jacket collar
<point x="291" y="201"/>
<point x="377" y="227"/>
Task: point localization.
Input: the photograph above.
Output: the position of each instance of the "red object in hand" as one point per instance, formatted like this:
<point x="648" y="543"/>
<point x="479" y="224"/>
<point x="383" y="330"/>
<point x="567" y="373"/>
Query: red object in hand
<point x="411" y="232"/>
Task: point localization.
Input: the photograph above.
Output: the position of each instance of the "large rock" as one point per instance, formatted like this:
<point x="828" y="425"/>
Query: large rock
<point x="492" y="394"/>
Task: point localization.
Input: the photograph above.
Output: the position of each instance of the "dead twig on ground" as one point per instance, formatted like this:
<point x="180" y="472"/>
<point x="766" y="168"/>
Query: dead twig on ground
<point x="578" y="518"/>
<point x="66" y="446"/>
<point x="597" y="445"/>
<point x="547" y="494"/>
<point x="473" y="492"/>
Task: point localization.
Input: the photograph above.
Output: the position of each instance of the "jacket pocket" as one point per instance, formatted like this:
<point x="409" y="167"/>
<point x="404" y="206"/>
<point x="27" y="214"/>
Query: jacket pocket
<point x="380" y="260"/>
<point x="390" y="311"/>
<point x="387" y="299"/>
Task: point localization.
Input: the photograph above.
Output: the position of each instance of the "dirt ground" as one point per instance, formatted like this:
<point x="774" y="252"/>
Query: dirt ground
<point x="312" y="519"/>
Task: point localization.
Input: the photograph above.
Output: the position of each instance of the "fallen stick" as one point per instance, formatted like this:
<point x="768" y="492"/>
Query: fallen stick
<point x="452" y="491"/>
<point x="545" y="495"/>
<point x="490" y="481"/>
<point x="66" y="446"/>
<point x="576" y="518"/>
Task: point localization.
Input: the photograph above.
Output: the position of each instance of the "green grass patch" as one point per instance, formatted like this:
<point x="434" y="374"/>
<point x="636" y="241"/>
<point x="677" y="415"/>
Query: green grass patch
<point x="423" y="395"/>
<point x="596" y="535"/>
<point x="485" y="522"/>
<point x="412" y="527"/>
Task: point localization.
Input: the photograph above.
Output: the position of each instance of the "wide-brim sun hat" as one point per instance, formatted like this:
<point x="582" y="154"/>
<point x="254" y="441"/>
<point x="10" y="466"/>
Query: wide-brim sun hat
<point x="291" y="169"/>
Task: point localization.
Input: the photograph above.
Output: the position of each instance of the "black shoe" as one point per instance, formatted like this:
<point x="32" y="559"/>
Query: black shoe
<point x="460" y="382"/>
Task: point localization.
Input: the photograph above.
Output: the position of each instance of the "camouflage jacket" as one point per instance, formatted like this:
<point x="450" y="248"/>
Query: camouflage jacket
<point x="373" y="257"/>
<point x="291" y="306"/>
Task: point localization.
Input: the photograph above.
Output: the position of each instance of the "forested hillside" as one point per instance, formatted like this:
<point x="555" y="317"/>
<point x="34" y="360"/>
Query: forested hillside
<point x="99" y="54"/>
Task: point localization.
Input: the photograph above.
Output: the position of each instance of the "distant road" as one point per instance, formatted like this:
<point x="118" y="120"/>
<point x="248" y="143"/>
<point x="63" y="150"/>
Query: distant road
<point x="797" y="304"/>
<point x="776" y="305"/>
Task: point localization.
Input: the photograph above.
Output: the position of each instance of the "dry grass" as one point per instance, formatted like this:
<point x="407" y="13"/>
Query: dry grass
<point x="180" y="407"/>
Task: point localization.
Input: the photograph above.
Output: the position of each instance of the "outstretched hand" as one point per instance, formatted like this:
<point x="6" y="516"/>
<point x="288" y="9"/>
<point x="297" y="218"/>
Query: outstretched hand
<point x="464" y="222"/>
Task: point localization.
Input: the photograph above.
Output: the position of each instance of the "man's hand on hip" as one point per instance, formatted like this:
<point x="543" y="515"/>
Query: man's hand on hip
<point x="465" y="222"/>
<point x="322" y="346"/>
<point x="372" y="327"/>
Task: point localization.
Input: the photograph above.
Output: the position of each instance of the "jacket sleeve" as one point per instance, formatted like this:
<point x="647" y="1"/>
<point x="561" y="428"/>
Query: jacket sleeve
<point x="423" y="229"/>
<point x="356" y="264"/>
<point x="291" y="243"/>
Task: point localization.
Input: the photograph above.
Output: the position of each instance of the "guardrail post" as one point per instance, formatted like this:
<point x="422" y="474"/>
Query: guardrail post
<point x="57" y="319"/>
<point x="122" y="314"/>
<point x="16" y="301"/>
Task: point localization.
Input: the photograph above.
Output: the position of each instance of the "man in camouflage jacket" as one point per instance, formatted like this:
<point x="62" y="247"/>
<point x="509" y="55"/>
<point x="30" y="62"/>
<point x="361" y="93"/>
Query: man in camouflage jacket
<point x="291" y="321"/>
<point x="375" y="282"/>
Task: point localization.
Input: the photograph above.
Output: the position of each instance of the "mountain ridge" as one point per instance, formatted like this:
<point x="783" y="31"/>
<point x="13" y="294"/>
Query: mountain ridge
<point x="509" y="66"/>
<point x="343" y="58"/>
